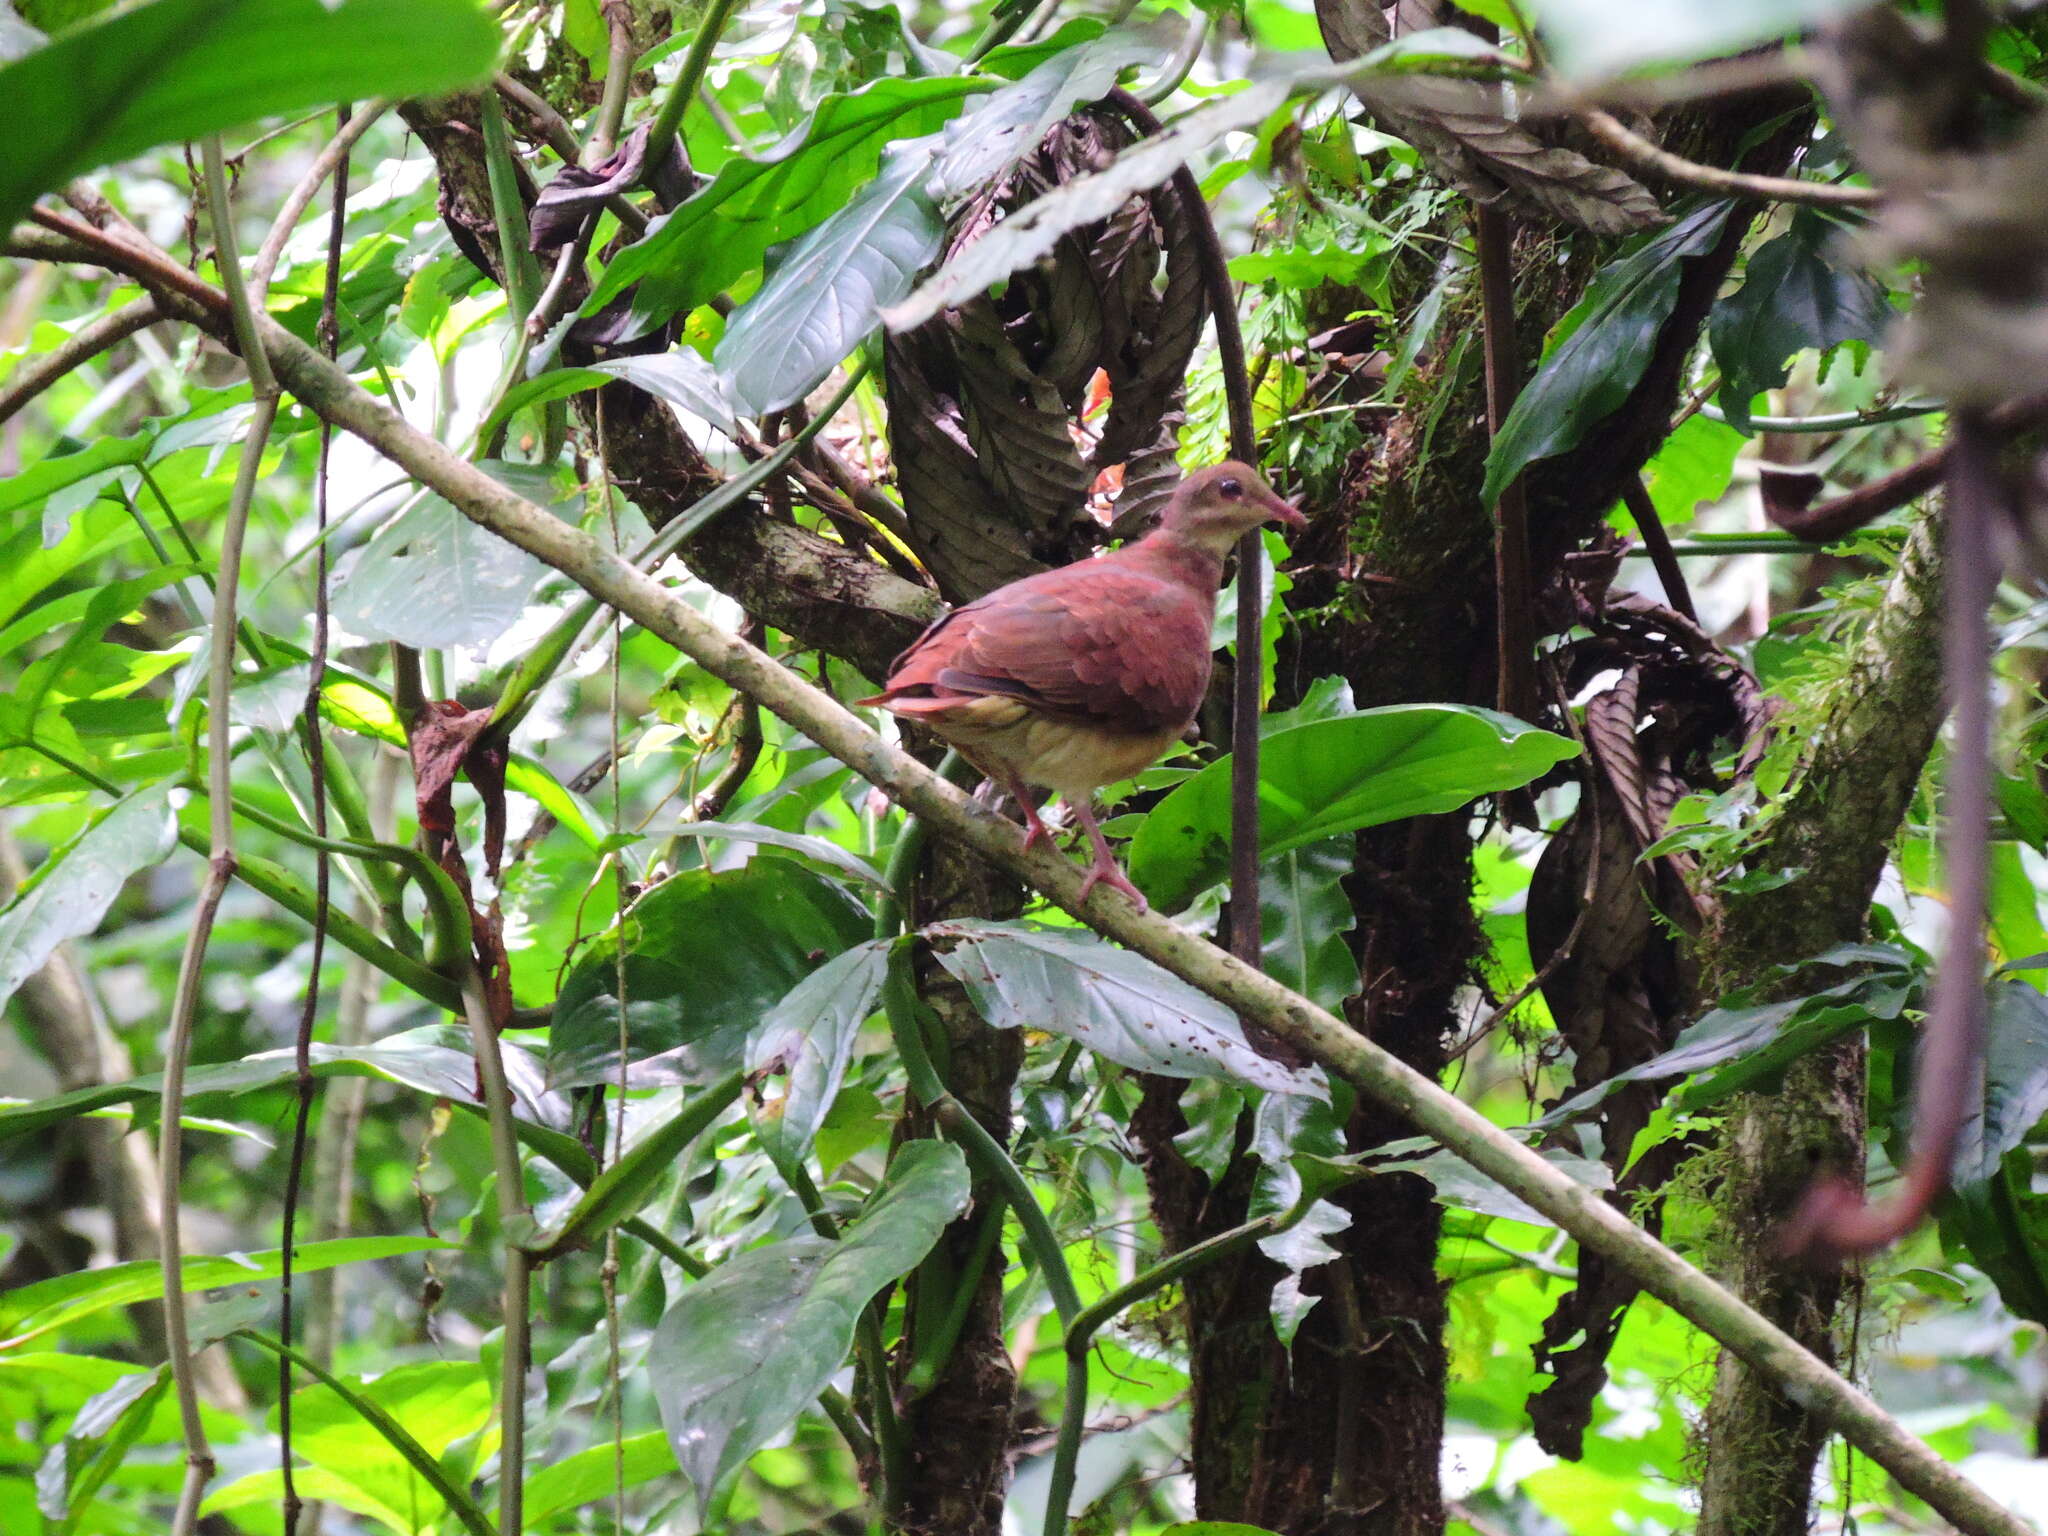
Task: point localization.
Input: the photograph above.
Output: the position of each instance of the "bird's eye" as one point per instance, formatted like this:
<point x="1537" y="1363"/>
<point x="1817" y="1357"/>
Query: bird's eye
<point x="1230" y="488"/>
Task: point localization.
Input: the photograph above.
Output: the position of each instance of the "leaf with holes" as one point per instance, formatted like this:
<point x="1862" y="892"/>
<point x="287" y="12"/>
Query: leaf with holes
<point x="1797" y="293"/>
<point x="745" y="1348"/>
<point x="810" y="1036"/>
<point x="707" y="956"/>
<point x="1117" y="1003"/>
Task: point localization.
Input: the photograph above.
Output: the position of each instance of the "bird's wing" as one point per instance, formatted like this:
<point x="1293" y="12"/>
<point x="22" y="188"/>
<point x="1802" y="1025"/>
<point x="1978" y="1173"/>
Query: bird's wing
<point x="1095" y="642"/>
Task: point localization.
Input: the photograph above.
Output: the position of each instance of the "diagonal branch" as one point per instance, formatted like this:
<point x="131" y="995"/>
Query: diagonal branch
<point x="329" y="392"/>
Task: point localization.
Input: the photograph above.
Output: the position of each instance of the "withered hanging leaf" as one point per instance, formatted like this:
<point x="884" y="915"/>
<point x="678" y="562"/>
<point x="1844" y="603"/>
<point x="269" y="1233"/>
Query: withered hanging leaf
<point x="578" y="191"/>
<point x="1490" y="158"/>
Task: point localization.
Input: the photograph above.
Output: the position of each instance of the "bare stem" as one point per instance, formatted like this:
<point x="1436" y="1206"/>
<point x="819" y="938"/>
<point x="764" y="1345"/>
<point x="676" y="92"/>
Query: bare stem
<point x="37" y="374"/>
<point x="221" y="857"/>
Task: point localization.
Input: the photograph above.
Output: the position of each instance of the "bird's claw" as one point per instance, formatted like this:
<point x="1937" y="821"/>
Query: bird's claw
<point x="1116" y="880"/>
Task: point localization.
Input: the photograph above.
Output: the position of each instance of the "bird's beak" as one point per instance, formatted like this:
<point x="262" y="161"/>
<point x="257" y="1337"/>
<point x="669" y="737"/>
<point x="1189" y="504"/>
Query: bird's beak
<point x="1287" y="513"/>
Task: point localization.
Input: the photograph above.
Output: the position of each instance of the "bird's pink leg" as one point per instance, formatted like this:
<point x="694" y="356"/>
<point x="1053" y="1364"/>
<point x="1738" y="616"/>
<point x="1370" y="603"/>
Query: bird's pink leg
<point x="1104" y="870"/>
<point x="1035" y="831"/>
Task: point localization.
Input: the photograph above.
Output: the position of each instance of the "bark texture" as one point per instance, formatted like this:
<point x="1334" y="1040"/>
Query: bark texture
<point x="959" y="1432"/>
<point x="1836" y="824"/>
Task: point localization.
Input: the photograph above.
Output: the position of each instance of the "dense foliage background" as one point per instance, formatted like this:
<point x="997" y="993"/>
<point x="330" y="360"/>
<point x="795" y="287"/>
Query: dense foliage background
<point x="821" y="1173"/>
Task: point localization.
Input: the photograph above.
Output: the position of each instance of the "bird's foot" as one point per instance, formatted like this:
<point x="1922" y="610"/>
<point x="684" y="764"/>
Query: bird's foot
<point x="1105" y="872"/>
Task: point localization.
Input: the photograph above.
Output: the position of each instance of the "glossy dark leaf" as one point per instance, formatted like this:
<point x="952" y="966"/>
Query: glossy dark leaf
<point x="175" y="70"/>
<point x="1333" y="776"/>
<point x="1798" y="293"/>
<point x="1074" y="984"/>
<point x="707" y="956"/>
<point x="1607" y="342"/>
<point x="745" y="1348"/>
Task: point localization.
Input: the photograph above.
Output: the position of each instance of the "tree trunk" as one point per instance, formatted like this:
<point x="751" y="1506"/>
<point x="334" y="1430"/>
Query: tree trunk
<point x="1836" y="825"/>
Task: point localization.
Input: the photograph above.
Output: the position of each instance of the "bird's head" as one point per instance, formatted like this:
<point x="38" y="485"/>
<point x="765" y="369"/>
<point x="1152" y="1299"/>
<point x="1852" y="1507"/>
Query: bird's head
<point x="1214" y="507"/>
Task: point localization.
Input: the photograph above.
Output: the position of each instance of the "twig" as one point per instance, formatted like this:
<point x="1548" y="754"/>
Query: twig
<point x="508" y="212"/>
<point x="1515" y="626"/>
<point x="37" y="374"/>
<point x="220" y="681"/>
<point x="746" y="751"/>
<point x="149" y="267"/>
<point x="695" y="63"/>
<point x="1625" y="144"/>
<point x="316" y="763"/>
<point x="1833" y="421"/>
<point x="1245" y="939"/>
<point x="611" y="110"/>
<point x="332" y="160"/>
<point x="512" y="1214"/>
<point x="328" y="391"/>
<point x="1636" y="497"/>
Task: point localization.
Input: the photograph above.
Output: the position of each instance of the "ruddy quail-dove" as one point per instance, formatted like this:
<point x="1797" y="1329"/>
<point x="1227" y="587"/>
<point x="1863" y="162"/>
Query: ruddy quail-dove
<point x="1077" y="677"/>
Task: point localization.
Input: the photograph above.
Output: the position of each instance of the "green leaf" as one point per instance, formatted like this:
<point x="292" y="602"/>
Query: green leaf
<point x="1601" y="37"/>
<point x="1693" y="464"/>
<point x="445" y="1399"/>
<point x="588" y="1477"/>
<point x="1330" y="777"/>
<point x="721" y="233"/>
<point x="736" y="1359"/>
<point x="29" y="1310"/>
<point x="618" y="1193"/>
<point x="72" y="889"/>
<point x="707" y="954"/>
<point x="174" y="70"/>
<point x="810" y="1036"/>
<point x="1304" y="914"/>
<point x="826" y="293"/>
<point x="432" y="578"/>
<point x="814" y="850"/>
<point x="679" y="376"/>
<point x="2015" y="1082"/>
<point x="1117" y="1003"/>
<point x="1607" y="341"/>
<point x="434" y="1060"/>
<point x="1793" y="297"/>
<point x="75" y="1469"/>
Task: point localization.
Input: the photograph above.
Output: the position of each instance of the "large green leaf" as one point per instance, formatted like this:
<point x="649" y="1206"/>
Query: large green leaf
<point x="433" y="1060"/>
<point x="1796" y="294"/>
<point x="29" y="1310"/>
<point x="680" y="377"/>
<point x="745" y="1348"/>
<point x="1599" y="37"/>
<point x="71" y="890"/>
<point x="172" y="70"/>
<point x="810" y="1036"/>
<point x="827" y="292"/>
<point x="723" y="231"/>
<point x="1134" y="1012"/>
<point x="1607" y="341"/>
<point x="431" y="577"/>
<point x="707" y="954"/>
<point x="1329" y="777"/>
